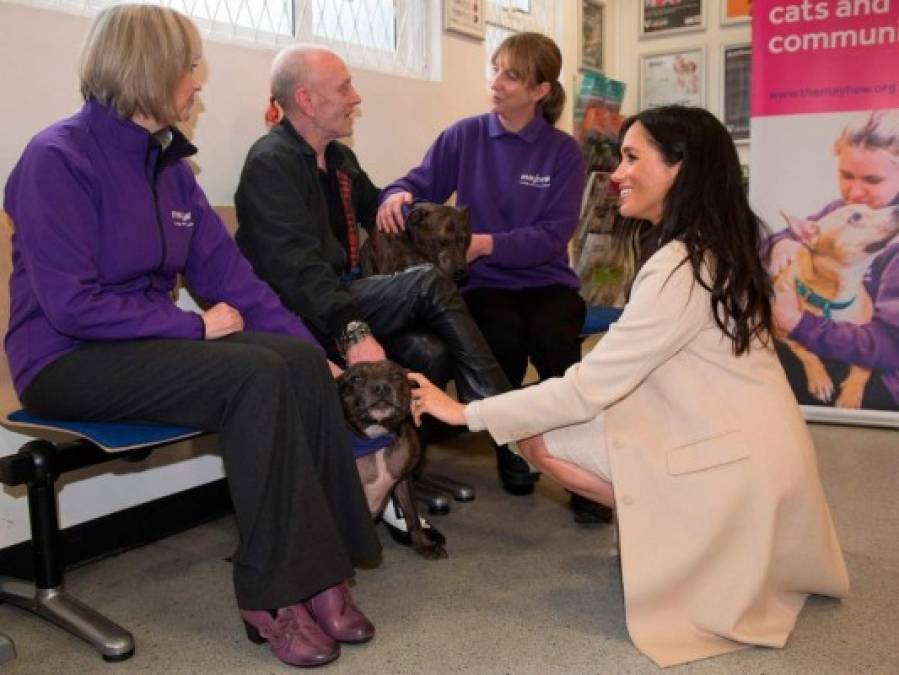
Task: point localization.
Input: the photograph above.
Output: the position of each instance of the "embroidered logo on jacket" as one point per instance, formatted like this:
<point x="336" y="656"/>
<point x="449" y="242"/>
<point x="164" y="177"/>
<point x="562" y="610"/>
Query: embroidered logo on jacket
<point x="182" y="219"/>
<point x="534" y="180"/>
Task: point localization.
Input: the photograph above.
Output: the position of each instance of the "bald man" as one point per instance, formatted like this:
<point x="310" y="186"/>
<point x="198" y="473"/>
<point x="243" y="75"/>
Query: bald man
<point x="301" y="200"/>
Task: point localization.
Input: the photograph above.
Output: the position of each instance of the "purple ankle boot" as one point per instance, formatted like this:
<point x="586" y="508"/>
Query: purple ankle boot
<point x="334" y="610"/>
<point x="292" y="635"/>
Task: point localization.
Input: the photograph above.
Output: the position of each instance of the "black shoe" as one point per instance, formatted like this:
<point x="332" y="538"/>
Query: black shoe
<point x="514" y="472"/>
<point x="403" y="538"/>
<point x="588" y="512"/>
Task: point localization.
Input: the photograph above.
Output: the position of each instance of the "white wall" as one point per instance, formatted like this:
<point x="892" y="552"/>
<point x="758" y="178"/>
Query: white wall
<point x="38" y="80"/>
<point x="625" y="49"/>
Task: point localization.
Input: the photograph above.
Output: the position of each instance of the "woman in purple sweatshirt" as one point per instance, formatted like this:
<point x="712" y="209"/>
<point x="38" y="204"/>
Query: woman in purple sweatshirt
<point x="867" y="154"/>
<point x="107" y="213"/>
<point x="522" y="180"/>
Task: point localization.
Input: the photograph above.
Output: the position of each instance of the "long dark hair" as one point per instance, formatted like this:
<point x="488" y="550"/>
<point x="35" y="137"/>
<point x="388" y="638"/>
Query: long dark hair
<point x="706" y="209"/>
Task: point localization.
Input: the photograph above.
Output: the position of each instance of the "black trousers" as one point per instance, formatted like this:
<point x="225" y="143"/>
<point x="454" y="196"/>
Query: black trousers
<point x="423" y="323"/>
<point x="301" y="513"/>
<point x="541" y="324"/>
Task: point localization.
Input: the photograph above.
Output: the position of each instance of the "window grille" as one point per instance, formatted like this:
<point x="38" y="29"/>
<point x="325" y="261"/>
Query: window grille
<point x="507" y="17"/>
<point x="394" y="36"/>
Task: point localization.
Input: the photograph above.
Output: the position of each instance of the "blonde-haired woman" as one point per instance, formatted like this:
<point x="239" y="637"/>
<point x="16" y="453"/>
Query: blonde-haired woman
<point x="522" y="180"/>
<point x="106" y="214"/>
<point x="867" y="152"/>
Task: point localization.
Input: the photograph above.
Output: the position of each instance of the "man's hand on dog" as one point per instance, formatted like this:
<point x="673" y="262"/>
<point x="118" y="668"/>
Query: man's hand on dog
<point x="390" y="217"/>
<point x="367" y="349"/>
<point x="426" y="398"/>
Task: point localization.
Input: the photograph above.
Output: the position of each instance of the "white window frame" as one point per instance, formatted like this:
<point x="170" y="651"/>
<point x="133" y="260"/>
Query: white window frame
<point x="417" y="53"/>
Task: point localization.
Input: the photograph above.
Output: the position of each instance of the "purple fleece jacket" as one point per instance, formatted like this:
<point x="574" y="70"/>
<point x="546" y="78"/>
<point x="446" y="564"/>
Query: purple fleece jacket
<point x="104" y="221"/>
<point x="523" y="188"/>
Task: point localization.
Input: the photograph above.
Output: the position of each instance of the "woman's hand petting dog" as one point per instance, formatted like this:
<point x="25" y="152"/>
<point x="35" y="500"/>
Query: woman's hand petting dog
<point x="390" y="217"/>
<point x="426" y="398"/>
<point x="786" y="308"/>
<point x="782" y="255"/>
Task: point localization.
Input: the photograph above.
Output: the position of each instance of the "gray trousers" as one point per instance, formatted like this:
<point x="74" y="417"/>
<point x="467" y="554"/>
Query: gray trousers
<point x="301" y="512"/>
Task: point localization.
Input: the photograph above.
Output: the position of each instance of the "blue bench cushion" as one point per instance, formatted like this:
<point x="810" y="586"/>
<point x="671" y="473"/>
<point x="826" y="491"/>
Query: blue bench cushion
<point x="599" y="319"/>
<point x="110" y="436"/>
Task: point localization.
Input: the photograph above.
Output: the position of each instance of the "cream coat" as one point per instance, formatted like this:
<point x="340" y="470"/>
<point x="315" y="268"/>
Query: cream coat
<point x="724" y="530"/>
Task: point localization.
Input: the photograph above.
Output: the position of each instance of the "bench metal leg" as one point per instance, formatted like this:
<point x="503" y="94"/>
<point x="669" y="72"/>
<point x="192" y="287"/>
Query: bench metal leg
<point x="47" y="597"/>
<point x="112" y="641"/>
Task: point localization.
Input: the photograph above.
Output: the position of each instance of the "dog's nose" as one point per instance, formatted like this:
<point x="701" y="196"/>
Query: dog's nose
<point x="380" y="388"/>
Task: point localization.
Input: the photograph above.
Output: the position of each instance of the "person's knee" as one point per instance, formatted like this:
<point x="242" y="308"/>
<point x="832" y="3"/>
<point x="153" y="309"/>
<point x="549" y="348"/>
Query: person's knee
<point x="435" y="286"/>
<point x="534" y="451"/>
<point x="425" y="353"/>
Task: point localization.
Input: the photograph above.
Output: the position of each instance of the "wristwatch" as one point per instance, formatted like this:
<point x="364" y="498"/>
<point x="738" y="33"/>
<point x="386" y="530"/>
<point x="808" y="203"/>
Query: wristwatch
<point x="355" y="331"/>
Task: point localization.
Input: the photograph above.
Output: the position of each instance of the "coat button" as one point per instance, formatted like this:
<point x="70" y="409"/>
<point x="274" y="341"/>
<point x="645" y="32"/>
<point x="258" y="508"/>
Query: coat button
<point x="627" y="500"/>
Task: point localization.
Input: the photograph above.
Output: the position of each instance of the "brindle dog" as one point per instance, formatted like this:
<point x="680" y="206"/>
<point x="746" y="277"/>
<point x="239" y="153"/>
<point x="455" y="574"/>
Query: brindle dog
<point x="435" y="233"/>
<point x="376" y="397"/>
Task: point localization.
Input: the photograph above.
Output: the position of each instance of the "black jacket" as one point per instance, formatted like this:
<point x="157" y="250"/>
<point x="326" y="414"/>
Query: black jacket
<point x="284" y="225"/>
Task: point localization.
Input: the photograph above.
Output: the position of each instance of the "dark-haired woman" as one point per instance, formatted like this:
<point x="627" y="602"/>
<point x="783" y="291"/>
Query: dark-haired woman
<point x="522" y="180"/>
<point x="682" y="417"/>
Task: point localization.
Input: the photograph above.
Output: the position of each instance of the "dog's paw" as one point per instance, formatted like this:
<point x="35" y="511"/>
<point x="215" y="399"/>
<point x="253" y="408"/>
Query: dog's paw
<point x="426" y="548"/>
<point x="432" y="552"/>
<point x="820" y="385"/>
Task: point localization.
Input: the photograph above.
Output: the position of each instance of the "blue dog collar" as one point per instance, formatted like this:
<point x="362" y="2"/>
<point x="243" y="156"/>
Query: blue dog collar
<point x="363" y="445"/>
<point x="815" y="300"/>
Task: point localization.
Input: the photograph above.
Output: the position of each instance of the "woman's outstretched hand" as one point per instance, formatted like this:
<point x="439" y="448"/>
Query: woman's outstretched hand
<point x="390" y="217"/>
<point x="426" y="398"/>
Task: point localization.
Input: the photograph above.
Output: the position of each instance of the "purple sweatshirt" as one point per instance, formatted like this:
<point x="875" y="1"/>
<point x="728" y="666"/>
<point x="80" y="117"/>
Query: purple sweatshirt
<point x="523" y="188"/>
<point x="103" y="224"/>
<point x="874" y="345"/>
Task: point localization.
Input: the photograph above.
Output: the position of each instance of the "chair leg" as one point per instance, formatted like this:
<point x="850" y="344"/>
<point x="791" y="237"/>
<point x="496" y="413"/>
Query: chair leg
<point x="7" y="649"/>
<point x="461" y="492"/>
<point x="47" y="596"/>
<point x="437" y="501"/>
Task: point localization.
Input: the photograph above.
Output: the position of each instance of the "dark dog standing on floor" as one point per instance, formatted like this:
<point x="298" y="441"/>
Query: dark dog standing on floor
<point x="435" y="233"/>
<point x="376" y="397"/>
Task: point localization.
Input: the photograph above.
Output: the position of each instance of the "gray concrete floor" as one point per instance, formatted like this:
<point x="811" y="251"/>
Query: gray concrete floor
<point x="525" y="590"/>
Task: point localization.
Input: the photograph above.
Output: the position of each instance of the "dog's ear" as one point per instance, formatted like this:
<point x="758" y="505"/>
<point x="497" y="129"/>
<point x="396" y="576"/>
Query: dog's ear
<point x="416" y="216"/>
<point x="806" y="231"/>
<point x="466" y="213"/>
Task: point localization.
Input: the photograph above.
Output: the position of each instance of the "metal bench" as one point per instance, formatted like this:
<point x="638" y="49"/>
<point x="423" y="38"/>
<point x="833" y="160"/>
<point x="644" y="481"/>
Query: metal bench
<point x="38" y="464"/>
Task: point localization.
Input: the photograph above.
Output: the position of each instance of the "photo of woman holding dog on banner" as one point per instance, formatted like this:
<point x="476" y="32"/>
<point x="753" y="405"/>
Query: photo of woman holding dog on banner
<point x="838" y="298"/>
<point x="681" y="416"/>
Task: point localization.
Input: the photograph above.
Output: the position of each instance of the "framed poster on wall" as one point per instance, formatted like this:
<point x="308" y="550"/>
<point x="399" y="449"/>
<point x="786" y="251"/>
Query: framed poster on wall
<point x="465" y="17"/>
<point x="735" y="11"/>
<point x="673" y="78"/>
<point x="736" y="90"/>
<point x="662" y="17"/>
<point x="592" y="35"/>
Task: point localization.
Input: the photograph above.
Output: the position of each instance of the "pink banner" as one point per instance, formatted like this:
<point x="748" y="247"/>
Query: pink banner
<point x="806" y="55"/>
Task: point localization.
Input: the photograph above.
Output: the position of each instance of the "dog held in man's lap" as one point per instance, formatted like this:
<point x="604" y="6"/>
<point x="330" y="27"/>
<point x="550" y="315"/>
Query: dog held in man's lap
<point x="376" y="396"/>
<point x="435" y="233"/>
